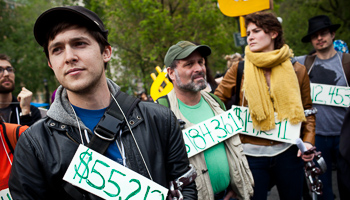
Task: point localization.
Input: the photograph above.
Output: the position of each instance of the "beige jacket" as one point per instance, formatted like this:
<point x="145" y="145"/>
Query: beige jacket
<point x="241" y="177"/>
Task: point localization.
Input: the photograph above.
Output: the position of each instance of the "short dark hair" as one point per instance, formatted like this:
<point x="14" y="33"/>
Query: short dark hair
<point x="5" y="57"/>
<point x="63" y="25"/>
<point x="269" y="23"/>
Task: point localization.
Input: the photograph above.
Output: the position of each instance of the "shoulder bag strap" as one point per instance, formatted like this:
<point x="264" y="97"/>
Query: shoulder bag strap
<point x="239" y="81"/>
<point x="308" y="62"/>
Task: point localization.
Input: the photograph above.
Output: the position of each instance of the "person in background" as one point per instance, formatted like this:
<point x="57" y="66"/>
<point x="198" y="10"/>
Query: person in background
<point x="272" y="84"/>
<point x="231" y="60"/>
<point x="326" y="66"/>
<point x="222" y="170"/>
<point x="15" y="109"/>
<point x="9" y="134"/>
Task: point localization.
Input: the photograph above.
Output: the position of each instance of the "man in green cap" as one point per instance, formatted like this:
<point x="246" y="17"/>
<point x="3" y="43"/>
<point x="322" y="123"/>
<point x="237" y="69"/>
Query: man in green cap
<point x="223" y="171"/>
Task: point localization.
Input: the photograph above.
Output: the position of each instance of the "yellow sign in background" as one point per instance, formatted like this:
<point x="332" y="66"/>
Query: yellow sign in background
<point x="239" y="8"/>
<point x="236" y="8"/>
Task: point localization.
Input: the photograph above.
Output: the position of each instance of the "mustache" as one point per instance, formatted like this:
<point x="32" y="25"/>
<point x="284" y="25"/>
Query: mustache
<point x="198" y="75"/>
<point x="6" y="79"/>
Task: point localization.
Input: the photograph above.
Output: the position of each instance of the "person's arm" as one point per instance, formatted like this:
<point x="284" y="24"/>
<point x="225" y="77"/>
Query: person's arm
<point x="29" y="114"/>
<point x="227" y="84"/>
<point x="31" y="118"/>
<point x="178" y="163"/>
<point x="27" y="180"/>
<point x="307" y="132"/>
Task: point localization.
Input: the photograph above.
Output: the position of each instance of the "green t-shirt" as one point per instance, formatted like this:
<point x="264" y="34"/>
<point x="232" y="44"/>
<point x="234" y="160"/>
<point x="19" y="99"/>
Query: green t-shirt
<point x="215" y="157"/>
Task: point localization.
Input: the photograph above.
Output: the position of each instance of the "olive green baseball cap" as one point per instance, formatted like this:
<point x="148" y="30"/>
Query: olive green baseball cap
<point x="182" y="50"/>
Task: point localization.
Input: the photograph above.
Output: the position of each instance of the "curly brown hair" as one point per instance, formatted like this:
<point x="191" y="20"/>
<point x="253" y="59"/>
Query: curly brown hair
<point x="269" y="23"/>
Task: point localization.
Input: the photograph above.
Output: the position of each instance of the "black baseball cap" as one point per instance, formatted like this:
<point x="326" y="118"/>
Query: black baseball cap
<point x="70" y="13"/>
<point x="182" y="50"/>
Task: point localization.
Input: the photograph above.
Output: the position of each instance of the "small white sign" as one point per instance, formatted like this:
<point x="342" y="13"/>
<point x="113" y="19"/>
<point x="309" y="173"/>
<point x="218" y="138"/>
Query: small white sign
<point x="210" y="132"/>
<point x="5" y="194"/>
<point x="330" y="95"/>
<point x="107" y="179"/>
<point x="283" y="132"/>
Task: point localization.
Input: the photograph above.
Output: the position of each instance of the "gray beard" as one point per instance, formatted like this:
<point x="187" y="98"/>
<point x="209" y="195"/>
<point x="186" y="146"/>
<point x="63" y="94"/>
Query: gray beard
<point x="192" y="86"/>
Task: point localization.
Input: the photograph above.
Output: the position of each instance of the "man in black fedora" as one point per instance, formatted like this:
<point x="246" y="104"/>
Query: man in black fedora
<point x="326" y="66"/>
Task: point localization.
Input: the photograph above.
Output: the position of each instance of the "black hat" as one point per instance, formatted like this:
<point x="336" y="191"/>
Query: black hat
<point x="72" y="13"/>
<point x="318" y="23"/>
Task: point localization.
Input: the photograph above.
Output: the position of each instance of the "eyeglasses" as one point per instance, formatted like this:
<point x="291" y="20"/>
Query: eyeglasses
<point x="10" y="70"/>
<point x="321" y="33"/>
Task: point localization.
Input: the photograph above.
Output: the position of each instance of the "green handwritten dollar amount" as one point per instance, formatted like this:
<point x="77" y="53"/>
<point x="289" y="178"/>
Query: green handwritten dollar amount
<point x="330" y="95"/>
<point x="244" y="116"/>
<point x="82" y="172"/>
<point x="210" y="132"/>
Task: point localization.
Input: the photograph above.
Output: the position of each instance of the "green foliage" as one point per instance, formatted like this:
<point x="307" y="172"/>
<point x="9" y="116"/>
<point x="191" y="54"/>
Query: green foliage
<point x="142" y="32"/>
<point x="17" y="41"/>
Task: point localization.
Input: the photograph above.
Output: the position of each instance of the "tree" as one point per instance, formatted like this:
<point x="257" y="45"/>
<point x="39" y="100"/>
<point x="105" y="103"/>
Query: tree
<point x="142" y="32"/>
<point x="17" y="41"/>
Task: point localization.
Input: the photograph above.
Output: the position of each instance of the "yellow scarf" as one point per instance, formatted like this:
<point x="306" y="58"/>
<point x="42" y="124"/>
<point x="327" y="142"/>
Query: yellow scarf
<point x="284" y="96"/>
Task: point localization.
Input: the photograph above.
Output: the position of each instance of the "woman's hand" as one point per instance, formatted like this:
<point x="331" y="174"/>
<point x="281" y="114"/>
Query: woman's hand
<point x="306" y="158"/>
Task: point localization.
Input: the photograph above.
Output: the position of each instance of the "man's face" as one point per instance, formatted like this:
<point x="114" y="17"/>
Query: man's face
<point x="190" y="73"/>
<point x="76" y="59"/>
<point x="322" y="40"/>
<point x="7" y="80"/>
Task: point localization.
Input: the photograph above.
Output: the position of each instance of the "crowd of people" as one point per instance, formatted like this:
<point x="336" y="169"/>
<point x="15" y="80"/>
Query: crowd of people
<point x="88" y="109"/>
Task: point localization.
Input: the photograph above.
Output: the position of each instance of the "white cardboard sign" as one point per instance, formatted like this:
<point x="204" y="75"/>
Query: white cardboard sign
<point x="210" y="132"/>
<point x="330" y="95"/>
<point x="107" y="179"/>
<point x="283" y="132"/>
<point x="5" y="194"/>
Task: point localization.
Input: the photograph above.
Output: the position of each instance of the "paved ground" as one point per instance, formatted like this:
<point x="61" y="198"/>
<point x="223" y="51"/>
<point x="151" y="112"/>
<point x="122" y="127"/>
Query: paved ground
<point x="274" y="194"/>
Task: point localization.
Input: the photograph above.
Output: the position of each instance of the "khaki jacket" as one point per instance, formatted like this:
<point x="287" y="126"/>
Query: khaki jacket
<point x="242" y="181"/>
<point x="227" y="88"/>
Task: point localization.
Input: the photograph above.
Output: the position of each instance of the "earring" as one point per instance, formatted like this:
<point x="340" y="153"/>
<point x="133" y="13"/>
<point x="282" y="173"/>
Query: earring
<point x="272" y="37"/>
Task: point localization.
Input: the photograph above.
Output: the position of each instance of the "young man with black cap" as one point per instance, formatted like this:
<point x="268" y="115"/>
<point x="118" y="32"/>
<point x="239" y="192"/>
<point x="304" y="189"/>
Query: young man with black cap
<point x="88" y="110"/>
<point x="223" y="171"/>
<point x="329" y="67"/>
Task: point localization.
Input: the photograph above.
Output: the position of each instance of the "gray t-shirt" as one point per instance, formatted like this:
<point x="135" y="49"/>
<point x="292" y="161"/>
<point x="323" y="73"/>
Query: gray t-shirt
<point x="329" y="119"/>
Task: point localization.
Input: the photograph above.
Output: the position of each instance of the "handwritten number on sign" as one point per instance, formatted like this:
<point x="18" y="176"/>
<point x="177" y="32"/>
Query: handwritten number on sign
<point x="318" y="86"/>
<point x="195" y="137"/>
<point x="135" y="192"/>
<point x="93" y="170"/>
<point x="207" y="133"/>
<point x="218" y="127"/>
<point x="336" y="94"/>
<point x="86" y="157"/>
<point x="114" y="183"/>
<point x="238" y="128"/>
<point x="347" y="95"/>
